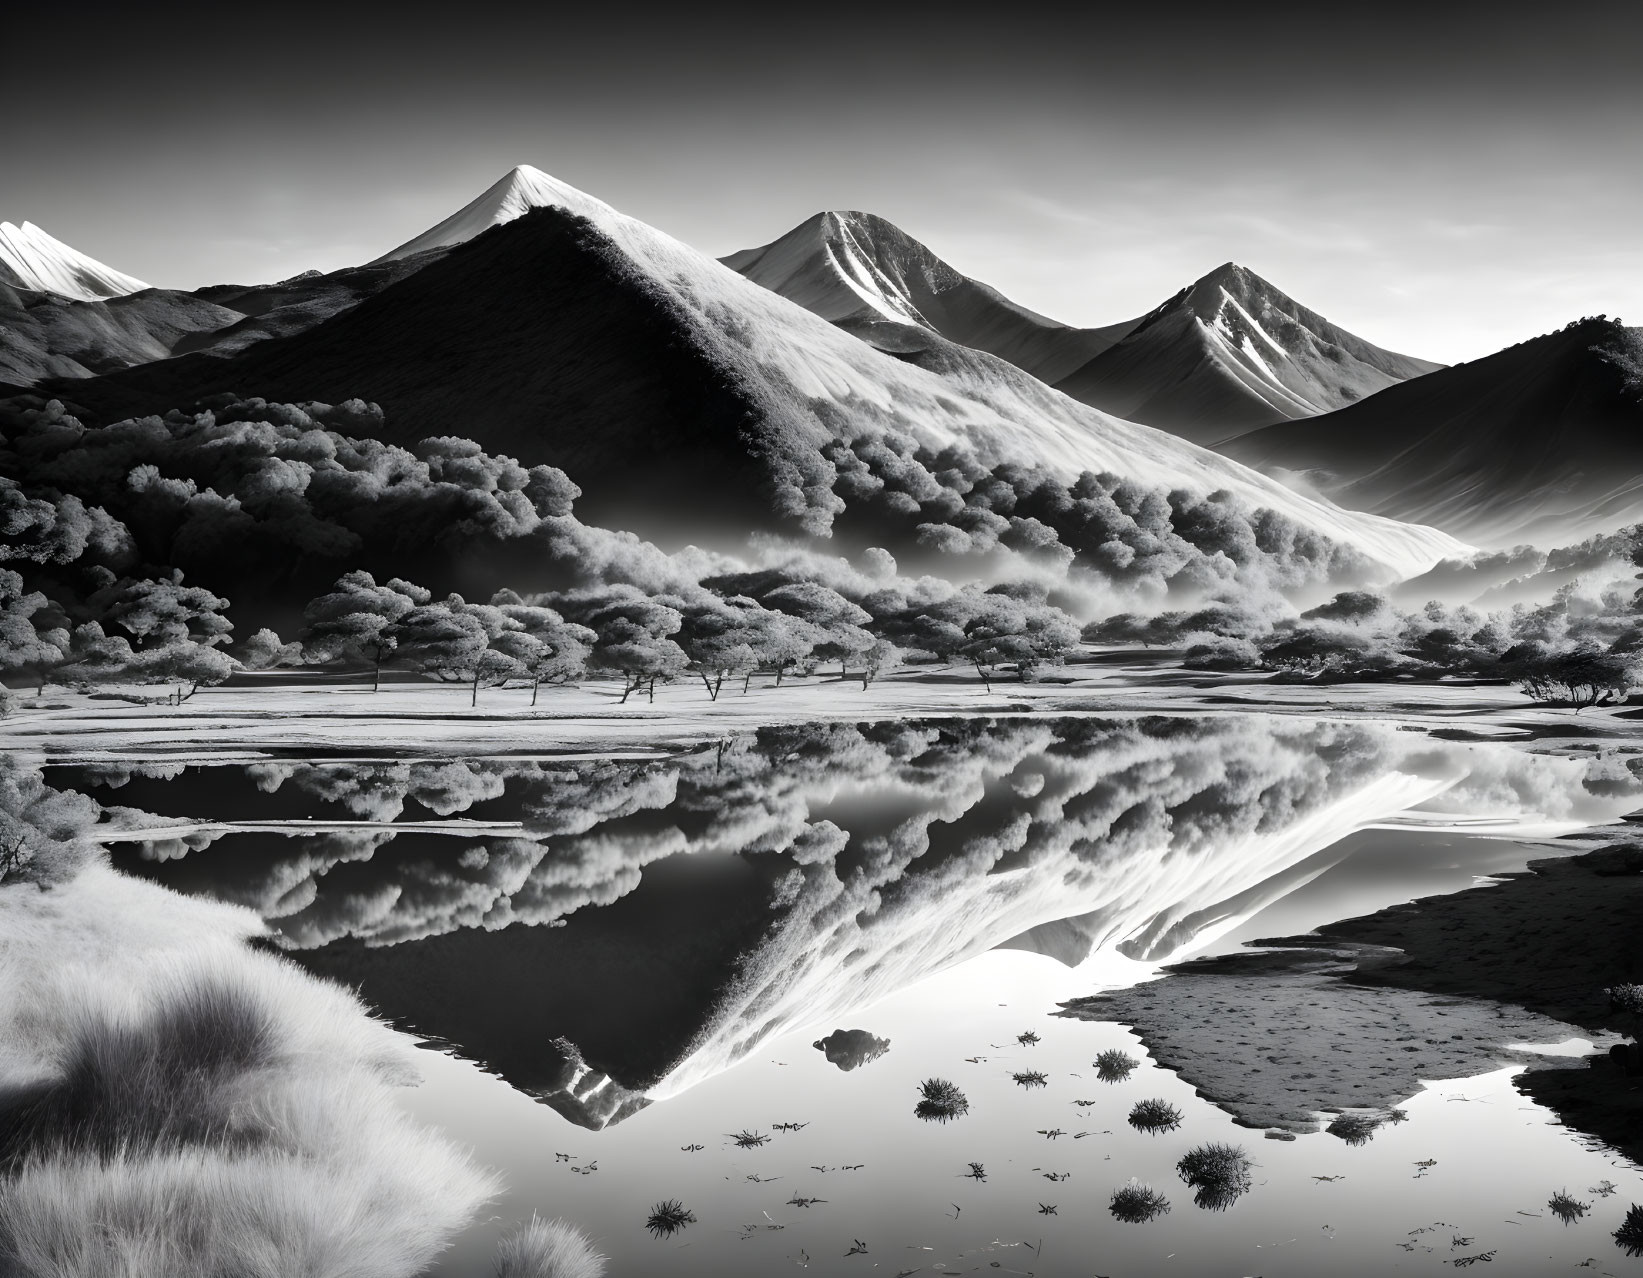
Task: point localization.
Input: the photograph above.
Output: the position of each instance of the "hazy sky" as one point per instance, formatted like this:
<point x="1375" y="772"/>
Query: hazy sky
<point x="1443" y="179"/>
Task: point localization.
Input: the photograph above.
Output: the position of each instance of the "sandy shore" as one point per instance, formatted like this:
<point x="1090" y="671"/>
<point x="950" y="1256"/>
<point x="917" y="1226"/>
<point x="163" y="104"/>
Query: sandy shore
<point x="1357" y="1015"/>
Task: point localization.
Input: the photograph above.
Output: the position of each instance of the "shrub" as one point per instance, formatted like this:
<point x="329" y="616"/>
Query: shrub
<point x="1626" y="998"/>
<point x="1114" y="1066"/>
<point x="1137" y="1203"/>
<point x="941" y="1101"/>
<point x="1155" y="1116"/>
<point x="668" y="1218"/>
<point x="1219" y="1173"/>
<point x="1629" y="1236"/>
<point x="1032" y="1078"/>
<point x="1355" y="1129"/>
<point x="1566" y="1207"/>
<point x="548" y="1249"/>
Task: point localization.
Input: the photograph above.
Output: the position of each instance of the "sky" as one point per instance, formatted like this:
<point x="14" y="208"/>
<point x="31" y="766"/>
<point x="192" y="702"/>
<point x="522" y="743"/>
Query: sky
<point x="1442" y="179"/>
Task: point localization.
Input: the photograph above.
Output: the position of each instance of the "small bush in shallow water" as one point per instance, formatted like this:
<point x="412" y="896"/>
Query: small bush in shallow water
<point x="750" y="1140"/>
<point x="547" y="1249"/>
<point x="1136" y="1203"/>
<point x="1114" y="1066"/>
<point x="668" y="1218"/>
<point x="1629" y="1237"/>
<point x="1566" y="1207"/>
<point x="1219" y="1173"/>
<point x="1155" y="1116"/>
<point x="1032" y="1078"/>
<point x="942" y="1100"/>
<point x="1355" y="1129"/>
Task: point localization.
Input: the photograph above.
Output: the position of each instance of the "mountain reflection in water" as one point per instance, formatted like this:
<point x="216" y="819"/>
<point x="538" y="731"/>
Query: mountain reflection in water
<point x="649" y="923"/>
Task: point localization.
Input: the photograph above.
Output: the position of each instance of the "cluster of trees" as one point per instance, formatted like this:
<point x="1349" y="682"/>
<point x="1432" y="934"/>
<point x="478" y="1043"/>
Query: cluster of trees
<point x="1147" y="540"/>
<point x="773" y="626"/>
<point x="127" y="629"/>
<point x="255" y="482"/>
<point x="1577" y="649"/>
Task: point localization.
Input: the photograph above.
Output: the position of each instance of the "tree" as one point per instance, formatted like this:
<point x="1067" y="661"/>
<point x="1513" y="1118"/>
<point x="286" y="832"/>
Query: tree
<point x="32" y="637"/>
<point x="547" y="648"/>
<point x="634" y="637"/>
<point x="1578" y="677"/>
<point x="266" y="651"/>
<point x="355" y="621"/>
<point x="449" y="640"/>
<point x="717" y="637"/>
<point x="838" y="624"/>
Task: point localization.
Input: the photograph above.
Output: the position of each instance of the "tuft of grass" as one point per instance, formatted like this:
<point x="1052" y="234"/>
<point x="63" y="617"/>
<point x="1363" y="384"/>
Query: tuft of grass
<point x="1220" y="1174"/>
<point x="1629" y="1237"/>
<point x="548" y="1249"/>
<point x="976" y="1172"/>
<point x="668" y="1218"/>
<point x="750" y="1140"/>
<point x="941" y="1101"/>
<point x="1136" y="1203"/>
<point x="143" y="1083"/>
<point x="1032" y="1078"/>
<point x="1355" y="1129"/>
<point x="1155" y="1116"/>
<point x="1566" y="1207"/>
<point x="177" y="1103"/>
<point x="1114" y="1066"/>
<point x="1028" y="1038"/>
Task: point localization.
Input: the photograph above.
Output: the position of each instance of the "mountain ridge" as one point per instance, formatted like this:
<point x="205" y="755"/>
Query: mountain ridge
<point x="1543" y="438"/>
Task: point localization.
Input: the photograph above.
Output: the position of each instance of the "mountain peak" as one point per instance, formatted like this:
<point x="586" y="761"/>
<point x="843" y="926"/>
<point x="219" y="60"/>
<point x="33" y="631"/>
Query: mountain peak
<point x="521" y="189"/>
<point x="33" y="260"/>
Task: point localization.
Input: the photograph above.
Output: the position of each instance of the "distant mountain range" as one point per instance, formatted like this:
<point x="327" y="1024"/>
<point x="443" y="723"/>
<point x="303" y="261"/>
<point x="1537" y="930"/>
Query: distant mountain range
<point x="862" y="272"/>
<point x="597" y="343"/>
<point x="1227" y="353"/>
<point x="681" y="396"/>
<point x="1541" y="442"/>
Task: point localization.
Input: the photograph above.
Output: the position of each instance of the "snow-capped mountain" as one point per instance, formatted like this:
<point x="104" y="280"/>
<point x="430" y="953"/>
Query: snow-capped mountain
<point x="861" y="272"/>
<point x="30" y="259"/>
<point x="1229" y="353"/>
<point x="514" y="194"/>
<point x="675" y="391"/>
<point x="1540" y="442"/>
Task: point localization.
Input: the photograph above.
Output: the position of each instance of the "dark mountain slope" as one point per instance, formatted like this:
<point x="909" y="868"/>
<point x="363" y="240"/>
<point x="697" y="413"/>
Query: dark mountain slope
<point x="1541" y="440"/>
<point x="1229" y="353"/>
<point x="46" y="335"/>
<point x="538" y="339"/>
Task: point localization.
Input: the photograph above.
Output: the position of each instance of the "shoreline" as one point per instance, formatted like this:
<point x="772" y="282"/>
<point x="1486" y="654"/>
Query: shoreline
<point x="1303" y="1025"/>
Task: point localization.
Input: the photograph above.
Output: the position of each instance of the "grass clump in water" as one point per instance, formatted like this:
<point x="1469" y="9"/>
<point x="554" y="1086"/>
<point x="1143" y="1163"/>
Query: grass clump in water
<point x="1566" y="1207"/>
<point x="1629" y="1237"/>
<point x="941" y="1101"/>
<point x="668" y="1218"/>
<point x="1114" y="1066"/>
<point x="547" y="1249"/>
<point x="1220" y="1174"/>
<point x="1137" y="1203"/>
<point x="1155" y="1116"/>
<point x="1032" y="1078"/>
<point x="750" y="1140"/>
<point x="1355" y="1129"/>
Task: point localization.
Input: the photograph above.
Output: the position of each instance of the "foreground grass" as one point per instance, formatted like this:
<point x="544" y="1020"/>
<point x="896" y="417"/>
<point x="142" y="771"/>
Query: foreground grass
<point x="173" y="1102"/>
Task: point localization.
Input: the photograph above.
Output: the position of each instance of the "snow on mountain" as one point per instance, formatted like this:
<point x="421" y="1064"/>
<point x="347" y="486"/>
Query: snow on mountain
<point x="859" y="270"/>
<point x="998" y="410"/>
<point x="678" y="392"/>
<point x="514" y="194"/>
<point x="30" y="259"/>
<point x="1230" y="353"/>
